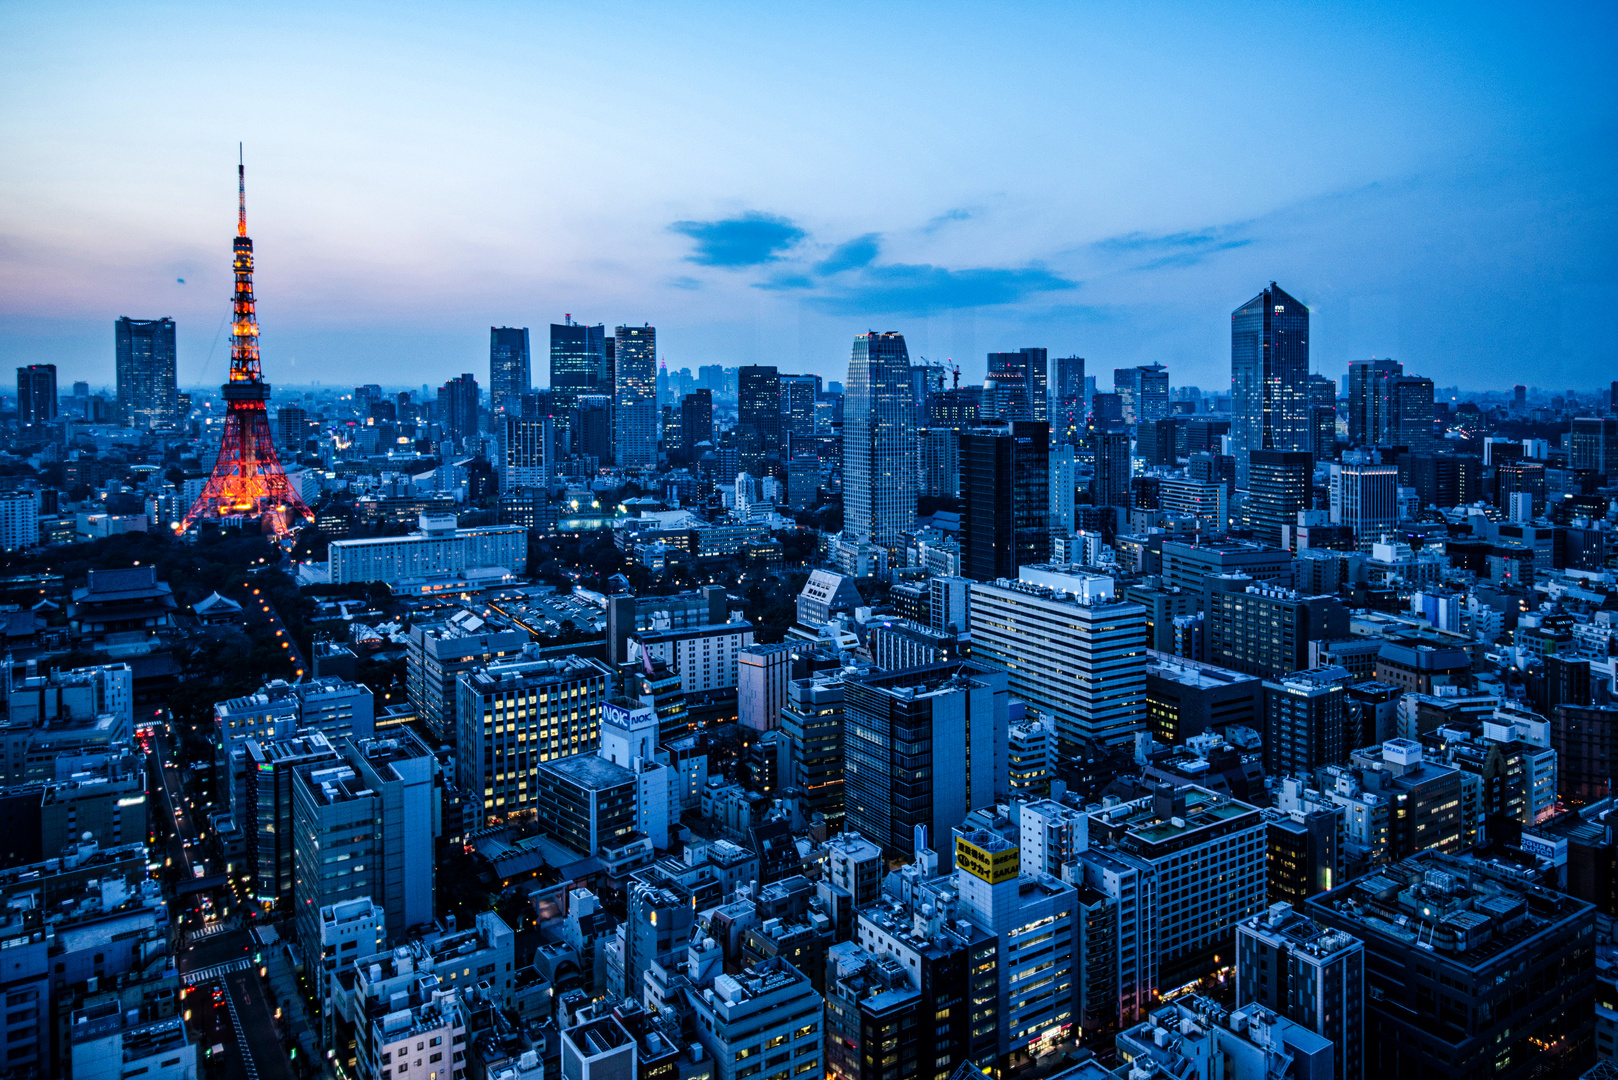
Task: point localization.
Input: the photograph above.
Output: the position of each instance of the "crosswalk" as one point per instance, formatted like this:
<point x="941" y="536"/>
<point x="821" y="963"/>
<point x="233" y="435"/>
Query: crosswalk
<point x="208" y="974"/>
<point x="223" y="926"/>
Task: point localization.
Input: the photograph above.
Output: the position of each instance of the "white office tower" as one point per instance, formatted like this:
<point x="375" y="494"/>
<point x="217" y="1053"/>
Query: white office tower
<point x="1365" y="497"/>
<point x="1051" y="834"/>
<point x="1035" y="917"/>
<point x="418" y="1039"/>
<point x="1069" y="648"/>
<point x="879" y="441"/>
<point x="629" y="740"/>
<point x="19" y="520"/>
<point x="769" y="1009"/>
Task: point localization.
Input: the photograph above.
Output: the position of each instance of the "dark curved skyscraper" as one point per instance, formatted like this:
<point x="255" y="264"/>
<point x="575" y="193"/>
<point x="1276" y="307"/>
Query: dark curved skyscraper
<point x="1269" y="376"/>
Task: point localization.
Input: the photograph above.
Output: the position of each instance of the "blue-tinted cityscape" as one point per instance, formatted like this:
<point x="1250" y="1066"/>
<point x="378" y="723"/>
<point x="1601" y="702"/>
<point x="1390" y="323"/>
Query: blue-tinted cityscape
<point x="862" y="694"/>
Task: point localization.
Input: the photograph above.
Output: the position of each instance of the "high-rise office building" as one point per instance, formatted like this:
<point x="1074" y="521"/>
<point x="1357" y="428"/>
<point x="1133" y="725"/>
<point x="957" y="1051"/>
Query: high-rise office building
<point x="1278" y="487"/>
<point x="458" y="402"/>
<point x="1365" y="497"/>
<point x="1069" y="648"/>
<point x="1510" y="997"/>
<point x="1263" y="629"/>
<point x="1410" y="412"/>
<point x="898" y="727"/>
<point x="634" y="377"/>
<point x="758" y="419"/>
<point x="579" y="364"/>
<point x="592" y="427"/>
<point x="291" y="428"/>
<point x="1143" y="392"/>
<point x="1016" y="386"/>
<point x="509" y="376"/>
<point x="1313" y="976"/>
<point x="1305" y="722"/>
<point x="524" y="452"/>
<point x="1033" y="916"/>
<point x="1269" y="372"/>
<point x="798" y="396"/>
<point x="514" y="715"/>
<point x="36" y="394"/>
<point x="696" y="422"/>
<point x="879" y="441"/>
<point x="1005" y="498"/>
<point x="1369" y="399"/>
<point x="1592" y="445"/>
<point x="147" y="391"/>
<point x="1114" y="468"/>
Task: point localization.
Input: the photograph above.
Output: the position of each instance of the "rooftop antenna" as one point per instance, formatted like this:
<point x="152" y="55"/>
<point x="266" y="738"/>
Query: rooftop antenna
<point x="241" y="192"/>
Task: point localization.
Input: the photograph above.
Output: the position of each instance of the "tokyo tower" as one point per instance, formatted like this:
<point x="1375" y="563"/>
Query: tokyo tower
<point x="247" y="480"/>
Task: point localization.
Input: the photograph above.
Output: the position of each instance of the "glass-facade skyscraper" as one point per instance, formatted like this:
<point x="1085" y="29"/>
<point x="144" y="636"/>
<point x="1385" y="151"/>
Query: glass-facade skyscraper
<point x="509" y="376"/>
<point x="758" y="419"/>
<point x="1269" y="377"/>
<point x="1005" y="498"/>
<point x="1017" y="386"/>
<point x="147" y="394"/>
<point x="36" y="394"/>
<point x="879" y="441"/>
<point x="578" y="364"/>
<point x="634" y="378"/>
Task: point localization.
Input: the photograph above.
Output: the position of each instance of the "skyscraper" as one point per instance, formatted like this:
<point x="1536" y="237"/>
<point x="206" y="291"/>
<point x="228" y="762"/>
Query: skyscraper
<point x="1410" y="414"/>
<point x="36" y="394"/>
<point x="1366" y="498"/>
<point x="1005" y="498"/>
<point x="509" y="377"/>
<point x="758" y="419"/>
<point x="798" y="396"/>
<point x="1016" y="387"/>
<point x="1279" y="486"/>
<point x="634" y="375"/>
<point x="1067" y="400"/>
<point x="879" y="440"/>
<point x="1109" y="486"/>
<point x="1368" y="400"/>
<point x="696" y="422"/>
<point x="145" y="372"/>
<point x="1269" y="376"/>
<point x="458" y="402"/>
<point x="524" y="451"/>
<point x="578" y="364"/>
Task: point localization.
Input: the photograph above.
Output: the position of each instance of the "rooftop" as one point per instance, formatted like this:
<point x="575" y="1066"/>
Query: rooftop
<point x="1460" y="910"/>
<point x="589" y="771"/>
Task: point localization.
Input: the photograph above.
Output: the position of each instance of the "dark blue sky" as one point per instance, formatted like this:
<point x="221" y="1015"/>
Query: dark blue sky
<point x="764" y="181"/>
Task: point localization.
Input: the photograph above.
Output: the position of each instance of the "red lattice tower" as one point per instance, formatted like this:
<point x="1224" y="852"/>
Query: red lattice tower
<point x="247" y="480"/>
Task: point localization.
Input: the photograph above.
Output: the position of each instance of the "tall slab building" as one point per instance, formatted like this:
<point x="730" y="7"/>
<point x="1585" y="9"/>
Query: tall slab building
<point x="1269" y="376"/>
<point x="147" y="395"/>
<point x="879" y="440"/>
<point x="509" y="376"/>
<point x="634" y="377"/>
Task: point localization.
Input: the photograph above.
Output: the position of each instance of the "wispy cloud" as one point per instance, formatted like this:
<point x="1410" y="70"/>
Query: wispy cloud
<point x="962" y="213"/>
<point x="749" y="240"/>
<point x="915" y="289"/>
<point x="855" y="253"/>
<point x="685" y="282"/>
<point x="1176" y="249"/>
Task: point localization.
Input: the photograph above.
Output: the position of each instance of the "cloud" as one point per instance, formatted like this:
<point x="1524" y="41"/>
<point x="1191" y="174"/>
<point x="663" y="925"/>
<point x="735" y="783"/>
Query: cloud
<point x="684" y="282"/>
<point x="906" y="289"/>
<point x="851" y="255"/>
<point x="958" y="214"/>
<point x="1176" y="249"/>
<point x="749" y="240"/>
<point x="786" y="282"/>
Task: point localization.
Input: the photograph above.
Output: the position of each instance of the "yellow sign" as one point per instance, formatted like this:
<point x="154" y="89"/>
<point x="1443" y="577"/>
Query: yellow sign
<point x="992" y="866"/>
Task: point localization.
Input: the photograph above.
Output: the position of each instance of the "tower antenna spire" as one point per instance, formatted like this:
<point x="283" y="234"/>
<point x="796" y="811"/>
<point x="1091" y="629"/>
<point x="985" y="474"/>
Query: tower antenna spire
<point x="241" y="192"/>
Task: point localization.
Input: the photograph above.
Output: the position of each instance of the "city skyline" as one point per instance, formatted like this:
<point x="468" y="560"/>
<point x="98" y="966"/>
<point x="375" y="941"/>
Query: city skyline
<point x="1418" y="214"/>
